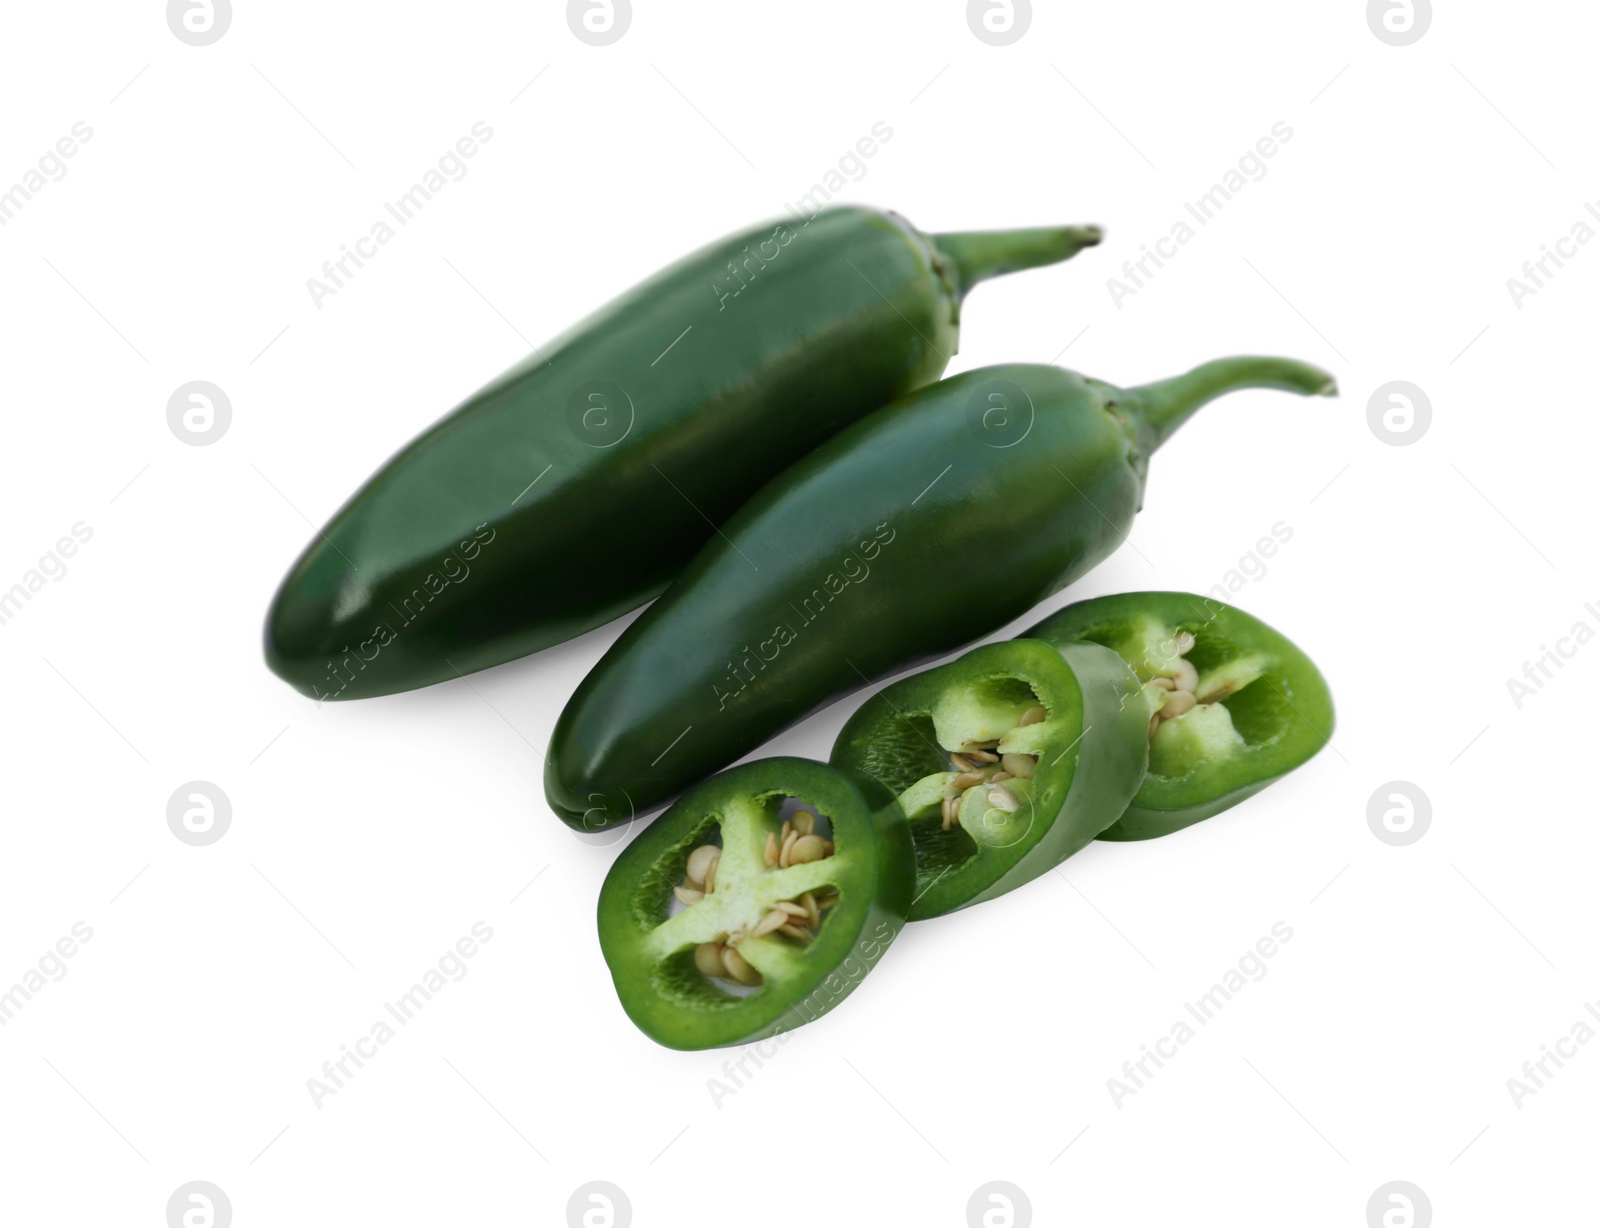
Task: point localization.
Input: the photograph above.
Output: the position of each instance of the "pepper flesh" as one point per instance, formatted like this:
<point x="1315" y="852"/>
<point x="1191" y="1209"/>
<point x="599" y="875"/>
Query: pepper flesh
<point x="1090" y="751"/>
<point x="922" y="528"/>
<point x="651" y="950"/>
<point x="1263" y="708"/>
<point x="626" y="442"/>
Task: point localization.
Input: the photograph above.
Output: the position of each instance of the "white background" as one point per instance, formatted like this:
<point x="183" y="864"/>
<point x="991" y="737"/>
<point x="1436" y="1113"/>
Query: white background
<point x="367" y="837"/>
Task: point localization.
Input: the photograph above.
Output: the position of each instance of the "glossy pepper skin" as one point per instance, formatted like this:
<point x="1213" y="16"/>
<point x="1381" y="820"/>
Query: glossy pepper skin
<point x="1089" y="751"/>
<point x="1264" y="707"/>
<point x="925" y="526"/>
<point x="575" y="486"/>
<point x="651" y="951"/>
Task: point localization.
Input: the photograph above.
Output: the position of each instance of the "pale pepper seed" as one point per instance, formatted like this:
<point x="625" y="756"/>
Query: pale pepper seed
<point x="700" y="862"/>
<point x="808" y="848"/>
<point x="972" y="765"/>
<point x="1183" y="684"/>
<point x="794" y="919"/>
<point x="770" y="922"/>
<point x="1019" y="765"/>
<point x="1002" y="798"/>
<point x="708" y="959"/>
<point x="739" y="968"/>
<point x="1181" y="702"/>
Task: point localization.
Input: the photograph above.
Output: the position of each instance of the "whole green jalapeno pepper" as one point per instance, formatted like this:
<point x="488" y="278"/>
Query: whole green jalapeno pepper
<point x="574" y="487"/>
<point x="925" y="526"/>
<point x="1006" y="761"/>
<point x="756" y="903"/>
<point x="1232" y="704"/>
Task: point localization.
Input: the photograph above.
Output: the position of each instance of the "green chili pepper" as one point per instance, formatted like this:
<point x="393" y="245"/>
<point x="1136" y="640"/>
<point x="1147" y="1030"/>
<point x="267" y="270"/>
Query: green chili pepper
<point x="793" y="878"/>
<point x="575" y="486"/>
<point x="922" y="528"/>
<point x="1007" y="761"/>
<point x="1232" y="705"/>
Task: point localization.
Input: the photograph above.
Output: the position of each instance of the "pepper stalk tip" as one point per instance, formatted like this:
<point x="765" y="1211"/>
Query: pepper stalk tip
<point x="976" y="256"/>
<point x="1167" y="404"/>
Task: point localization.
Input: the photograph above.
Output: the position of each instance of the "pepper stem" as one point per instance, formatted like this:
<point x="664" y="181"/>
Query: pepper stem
<point x="1165" y="405"/>
<point x="978" y="255"/>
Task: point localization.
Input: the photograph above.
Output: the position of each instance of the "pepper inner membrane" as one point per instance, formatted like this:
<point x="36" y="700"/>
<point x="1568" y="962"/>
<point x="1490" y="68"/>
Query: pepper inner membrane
<point x="964" y="768"/>
<point x="739" y="899"/>
<point x="1210" y="697"/>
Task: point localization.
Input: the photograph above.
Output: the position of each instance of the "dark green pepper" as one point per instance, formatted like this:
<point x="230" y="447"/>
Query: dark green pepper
<point x="1232" y="705"/>
<point x="575" y="486"/>
<point x="1007" y="761"/>
<point x="925" y="526"/>
<point x="757" y="903"/>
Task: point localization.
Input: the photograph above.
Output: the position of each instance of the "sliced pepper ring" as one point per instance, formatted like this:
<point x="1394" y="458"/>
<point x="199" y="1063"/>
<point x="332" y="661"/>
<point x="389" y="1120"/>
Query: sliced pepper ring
<point x="1234" y="705"/>
<point x="784" y="909"/>
<point x="1069" y="720"/>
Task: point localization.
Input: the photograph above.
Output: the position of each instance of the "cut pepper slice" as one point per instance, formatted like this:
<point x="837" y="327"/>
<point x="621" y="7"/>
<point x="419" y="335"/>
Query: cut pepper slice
<point x="756" y="903"/>
<point x="1006" y="761"/>
<point x="1233" y="704"/>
